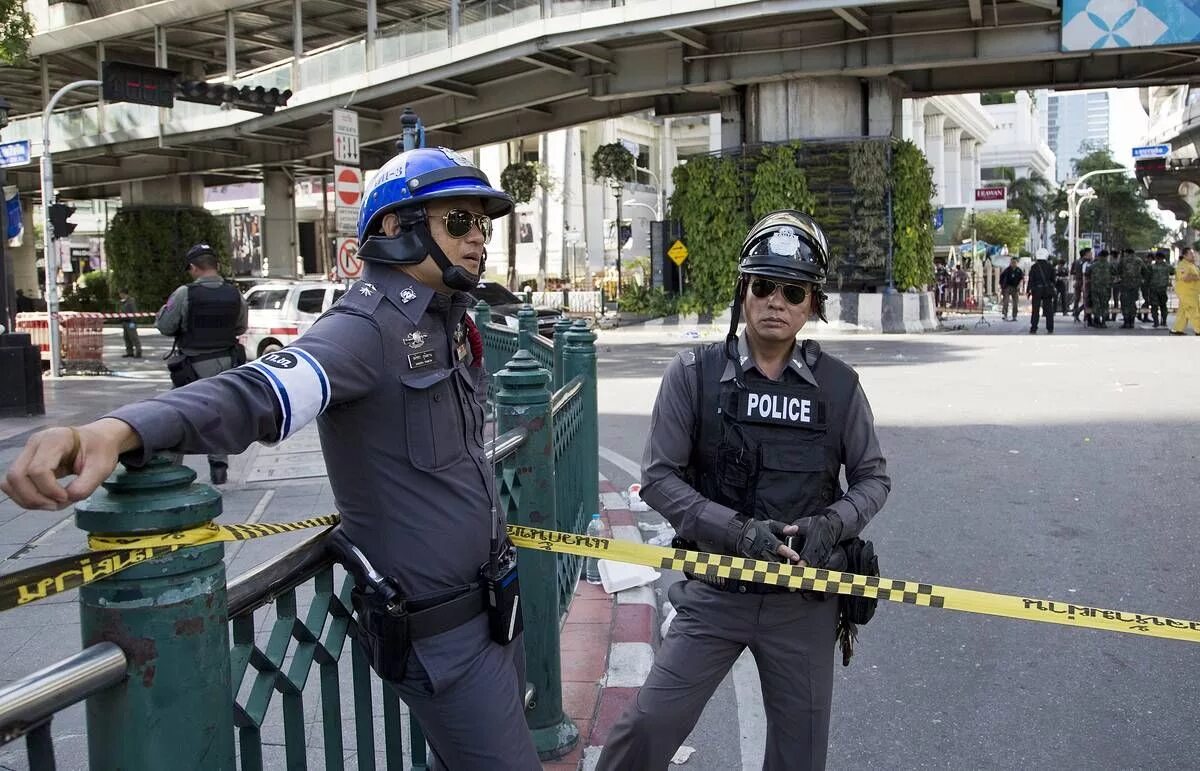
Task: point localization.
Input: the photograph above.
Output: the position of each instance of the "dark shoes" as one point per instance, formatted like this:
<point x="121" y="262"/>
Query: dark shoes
<point x="218" y="475"/>
<point x="1176" y="333"/>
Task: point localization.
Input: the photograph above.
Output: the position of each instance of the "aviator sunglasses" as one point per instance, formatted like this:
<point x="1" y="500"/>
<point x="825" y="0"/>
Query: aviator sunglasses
<point x="458" y="224"/>
<point x="764" y="287"/>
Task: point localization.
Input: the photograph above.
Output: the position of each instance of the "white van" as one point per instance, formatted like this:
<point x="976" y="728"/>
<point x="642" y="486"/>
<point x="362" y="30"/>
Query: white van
<point x="280" y="311"/>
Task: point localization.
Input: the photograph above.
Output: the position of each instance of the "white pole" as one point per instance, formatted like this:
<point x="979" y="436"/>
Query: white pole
<point x="47" y="239"/>
<point x="1073" y="205"/>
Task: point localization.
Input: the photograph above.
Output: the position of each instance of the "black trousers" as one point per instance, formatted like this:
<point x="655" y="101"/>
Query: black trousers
<point x="1043" y="304"/>
<point x="1061" y="288"/>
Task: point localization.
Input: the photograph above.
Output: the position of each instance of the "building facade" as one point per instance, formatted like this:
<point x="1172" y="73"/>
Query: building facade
<point x="1078" y="123"/>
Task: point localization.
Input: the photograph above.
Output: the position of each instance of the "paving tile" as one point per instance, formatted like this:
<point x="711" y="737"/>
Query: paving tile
<point x="587" y="669"/>
<point x="613" y="703"/>
<point x="591" y="611"/>
<point x="580" y="699"/>
<point x="577" y="637"/>
<point x="634" y="623"/>
<point x="619" y="517"/>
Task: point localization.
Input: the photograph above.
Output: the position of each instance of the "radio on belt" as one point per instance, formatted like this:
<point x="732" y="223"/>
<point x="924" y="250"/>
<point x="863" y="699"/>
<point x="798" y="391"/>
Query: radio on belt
<point x="503" y="591"/>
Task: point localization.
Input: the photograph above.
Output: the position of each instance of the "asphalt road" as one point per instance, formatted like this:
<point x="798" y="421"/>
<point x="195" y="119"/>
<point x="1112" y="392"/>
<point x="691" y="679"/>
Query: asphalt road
<point x="1053" y="467"/>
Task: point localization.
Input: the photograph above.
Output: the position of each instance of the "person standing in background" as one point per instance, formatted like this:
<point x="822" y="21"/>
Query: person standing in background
<point x="133" y="343"/>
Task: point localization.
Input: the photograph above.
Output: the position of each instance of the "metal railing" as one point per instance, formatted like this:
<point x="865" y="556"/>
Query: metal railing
<point x="291" y="617"/>
<point x="28" y="705"/>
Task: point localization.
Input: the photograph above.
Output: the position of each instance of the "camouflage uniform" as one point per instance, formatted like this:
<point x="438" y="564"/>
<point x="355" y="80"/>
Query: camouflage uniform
<point x="1158" y="284"/>
<point x="1100" y="288"/>
<point x="1133" y="272"/>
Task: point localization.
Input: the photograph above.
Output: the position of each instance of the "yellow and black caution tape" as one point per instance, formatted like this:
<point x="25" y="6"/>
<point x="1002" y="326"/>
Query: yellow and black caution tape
<point x="113" y="554"/>
<point x="814" y="579"/>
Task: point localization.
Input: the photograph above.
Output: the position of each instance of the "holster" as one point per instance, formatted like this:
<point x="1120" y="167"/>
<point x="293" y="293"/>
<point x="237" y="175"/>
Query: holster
<point x="181" y="370"/>
<point x="860" y="559"/>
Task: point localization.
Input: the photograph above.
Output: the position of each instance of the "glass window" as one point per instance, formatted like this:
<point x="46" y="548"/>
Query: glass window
<point x="311" y="301"/>
<point x="266" y="299"/>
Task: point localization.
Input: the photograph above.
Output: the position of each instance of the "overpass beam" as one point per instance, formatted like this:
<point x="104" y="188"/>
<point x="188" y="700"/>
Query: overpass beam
<point x="180" y="190"/>
<point x="280" y="234"/>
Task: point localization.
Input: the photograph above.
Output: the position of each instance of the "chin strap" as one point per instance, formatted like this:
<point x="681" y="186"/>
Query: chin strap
<point x="453" y="276"/>
<point x="731" y="339"/>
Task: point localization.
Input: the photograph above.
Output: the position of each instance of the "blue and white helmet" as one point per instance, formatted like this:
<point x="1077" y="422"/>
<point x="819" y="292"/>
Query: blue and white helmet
<point x="426" y="174"/>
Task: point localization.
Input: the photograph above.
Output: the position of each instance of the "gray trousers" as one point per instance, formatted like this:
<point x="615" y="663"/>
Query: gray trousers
<point x="792" y="640"/>
<point x="477" y="721"/>
<point x="208" y="368"/>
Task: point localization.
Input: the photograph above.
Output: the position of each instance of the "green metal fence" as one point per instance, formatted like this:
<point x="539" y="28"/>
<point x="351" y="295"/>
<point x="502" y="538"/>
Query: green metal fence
<point x="232" y="675"/>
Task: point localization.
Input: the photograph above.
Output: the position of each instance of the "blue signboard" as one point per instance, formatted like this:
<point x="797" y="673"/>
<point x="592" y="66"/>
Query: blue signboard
<point x="1151" y="151"/>
<point x="938" y="217"/>
<point x="1091" y="24"/>
<point x="14" y="153"/>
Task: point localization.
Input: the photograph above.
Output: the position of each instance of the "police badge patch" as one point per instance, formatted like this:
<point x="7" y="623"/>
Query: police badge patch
<point x="408" y="294"/>
<point x="415" y="339"/>
<point x="785" y="243"/>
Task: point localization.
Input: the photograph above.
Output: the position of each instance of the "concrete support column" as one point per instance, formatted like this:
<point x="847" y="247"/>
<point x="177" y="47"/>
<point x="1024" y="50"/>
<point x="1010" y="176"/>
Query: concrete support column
<point x="969" y="170"/>
<point x="280" y="237"/>
<point x="952" y="159"/>
<point x="732" y="133"/>
<point x="885" y="114"/>
<point x="918" y="123"/>
<point x="181" y="190"/>
<point x="297" y="42"/>
<point x="934" y="151"/>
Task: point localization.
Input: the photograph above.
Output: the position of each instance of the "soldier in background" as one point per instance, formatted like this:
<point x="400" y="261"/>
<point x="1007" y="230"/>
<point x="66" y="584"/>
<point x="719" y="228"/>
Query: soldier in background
<point x="1061" y="275"/>
<point x="1099" y="279"/>
<point x="1133" y="273"/>
<point x="1157" y="284"/>
<point x="1077" y="273"/>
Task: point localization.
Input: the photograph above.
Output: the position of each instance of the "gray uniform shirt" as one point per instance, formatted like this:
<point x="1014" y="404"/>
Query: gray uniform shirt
<point x="389" y="378"/>
<point x="669" y="449"/>
<point x="172" y="317"/>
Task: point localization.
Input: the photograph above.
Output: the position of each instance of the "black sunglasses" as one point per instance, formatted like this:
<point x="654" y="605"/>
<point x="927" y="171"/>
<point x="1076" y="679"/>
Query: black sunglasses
<point x="765" y="287"/>
<point x="458" y="224"/>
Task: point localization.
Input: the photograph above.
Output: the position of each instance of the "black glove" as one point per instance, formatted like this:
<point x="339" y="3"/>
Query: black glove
<point x="824" y="532"/>
<point x="757" y="539"/>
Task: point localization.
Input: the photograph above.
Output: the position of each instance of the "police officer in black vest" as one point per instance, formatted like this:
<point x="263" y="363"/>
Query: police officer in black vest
<point x="205" y="317"/>
<point x="746" y="444"/>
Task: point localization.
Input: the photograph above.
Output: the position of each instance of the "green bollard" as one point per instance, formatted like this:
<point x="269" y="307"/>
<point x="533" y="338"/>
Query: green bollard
<point x="526" y="491"/>
<point x="526" y="327"/>
<point x="170" y="617"/>
<point x="579" y="358"/>
<point x="560" y="342"/>
<point x="483" y="315"/>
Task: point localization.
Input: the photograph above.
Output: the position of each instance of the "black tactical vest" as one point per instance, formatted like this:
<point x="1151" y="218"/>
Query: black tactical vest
<point x="770" y="449"/>
<point x="212" y="318"/>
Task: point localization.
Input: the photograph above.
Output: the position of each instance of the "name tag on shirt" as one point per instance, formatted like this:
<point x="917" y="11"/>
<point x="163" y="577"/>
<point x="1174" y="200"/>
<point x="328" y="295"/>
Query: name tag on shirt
<point x="780" y="409"/>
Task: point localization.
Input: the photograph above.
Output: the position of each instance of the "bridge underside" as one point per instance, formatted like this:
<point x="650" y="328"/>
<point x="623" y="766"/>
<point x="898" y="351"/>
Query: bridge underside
<point x="555" y="77"/>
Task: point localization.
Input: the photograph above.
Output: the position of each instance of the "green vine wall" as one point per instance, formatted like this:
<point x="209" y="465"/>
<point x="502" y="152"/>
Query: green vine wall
<point x="710" y="200"/>
<point x="779" y="182"/>
<point x="912" y="217"/>
<point x="145" y="246"/>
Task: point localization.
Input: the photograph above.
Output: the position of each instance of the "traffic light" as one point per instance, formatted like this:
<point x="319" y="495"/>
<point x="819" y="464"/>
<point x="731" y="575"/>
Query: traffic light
<point x="253" y="98"/>
<point x="136" y="83"/>
<point x="59" y="213"/>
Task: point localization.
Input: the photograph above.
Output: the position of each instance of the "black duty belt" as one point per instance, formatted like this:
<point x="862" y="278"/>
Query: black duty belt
<point x="432" y="617"/>
<point x="735" y="586"/>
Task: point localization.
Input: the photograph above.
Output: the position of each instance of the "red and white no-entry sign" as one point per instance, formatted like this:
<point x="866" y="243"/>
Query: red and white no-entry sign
<point x="348" y="264"/>
<point x="347" y="185"/>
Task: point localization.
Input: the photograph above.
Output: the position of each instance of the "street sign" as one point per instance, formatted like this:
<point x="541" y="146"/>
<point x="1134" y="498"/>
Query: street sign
<point x="345" y="137"/>
<point x="346" y="220"/>
<point x="678" y="252"/>
<point x="991" y="198"/>
<point x="348" y="264"/>
<point x="939" y="217"/>
<point x="14" y="153"/>
<point x="1151" y="151"/>
<point x="347" y="185"/>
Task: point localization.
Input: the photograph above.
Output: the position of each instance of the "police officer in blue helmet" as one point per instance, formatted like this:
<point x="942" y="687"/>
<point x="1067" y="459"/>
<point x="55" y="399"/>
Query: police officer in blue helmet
<point x="393" y="377"/>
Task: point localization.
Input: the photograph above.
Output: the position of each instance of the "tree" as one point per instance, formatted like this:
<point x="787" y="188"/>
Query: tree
<point x="519" y="180"/>
<point x="16" y="27"/>
<point x="1032" y="197"/>
<point x="1006" y="228"/>
<point x="1119" y="213"/>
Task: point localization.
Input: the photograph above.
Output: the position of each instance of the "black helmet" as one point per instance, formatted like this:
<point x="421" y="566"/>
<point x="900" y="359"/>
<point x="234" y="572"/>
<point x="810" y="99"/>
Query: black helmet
<point x="786" y="244"/>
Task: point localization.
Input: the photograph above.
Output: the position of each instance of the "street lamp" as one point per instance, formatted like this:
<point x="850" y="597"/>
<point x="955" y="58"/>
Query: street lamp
<point x="662" y="193"/>
<point x="618" y="187"/>
<point x="1073" y="207"/>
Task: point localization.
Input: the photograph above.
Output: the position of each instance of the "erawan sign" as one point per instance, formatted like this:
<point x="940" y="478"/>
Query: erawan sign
<point x="991" y="198"/>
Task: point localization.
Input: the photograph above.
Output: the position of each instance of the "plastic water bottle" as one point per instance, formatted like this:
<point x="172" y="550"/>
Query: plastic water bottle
<point x="591" y="566"/>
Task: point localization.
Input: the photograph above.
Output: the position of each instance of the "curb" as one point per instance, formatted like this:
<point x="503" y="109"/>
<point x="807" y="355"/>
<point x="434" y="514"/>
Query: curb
<point x="607" y="645"/>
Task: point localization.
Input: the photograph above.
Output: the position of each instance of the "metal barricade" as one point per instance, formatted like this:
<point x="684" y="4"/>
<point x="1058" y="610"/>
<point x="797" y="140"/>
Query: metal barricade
<point x="81" y="337"/>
